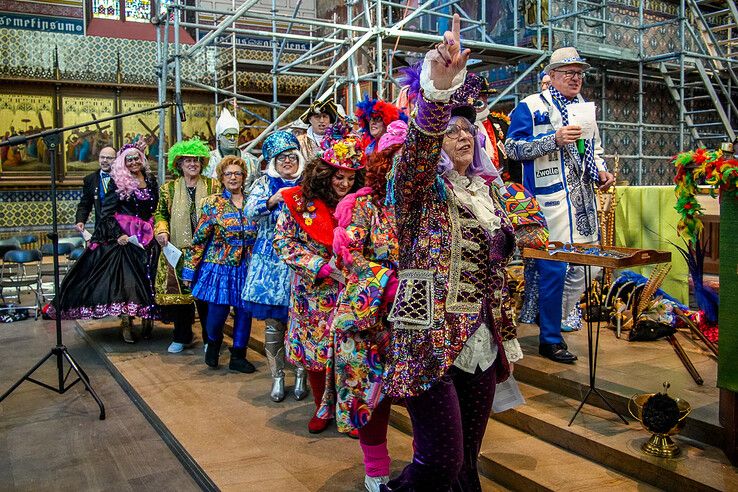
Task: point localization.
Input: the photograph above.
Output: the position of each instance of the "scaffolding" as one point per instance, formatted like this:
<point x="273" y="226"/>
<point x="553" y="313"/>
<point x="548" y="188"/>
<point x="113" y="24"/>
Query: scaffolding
<point x="360" y="43"/>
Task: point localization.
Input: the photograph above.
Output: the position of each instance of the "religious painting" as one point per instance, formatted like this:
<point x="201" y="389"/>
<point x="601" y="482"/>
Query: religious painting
<point x="82" y="146"/>
<point x="200" y="122"/>
<point x="143" y="129"/>
<point x="252" y="121"/>
<point x="24" y="114"/>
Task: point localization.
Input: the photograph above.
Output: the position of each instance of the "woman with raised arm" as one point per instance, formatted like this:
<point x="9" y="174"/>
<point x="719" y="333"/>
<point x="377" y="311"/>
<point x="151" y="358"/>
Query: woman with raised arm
<point x="453" y="336"/>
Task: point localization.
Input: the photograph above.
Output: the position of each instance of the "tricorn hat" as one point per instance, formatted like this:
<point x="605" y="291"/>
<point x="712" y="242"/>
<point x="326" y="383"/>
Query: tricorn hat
<point x="328" y="107"/>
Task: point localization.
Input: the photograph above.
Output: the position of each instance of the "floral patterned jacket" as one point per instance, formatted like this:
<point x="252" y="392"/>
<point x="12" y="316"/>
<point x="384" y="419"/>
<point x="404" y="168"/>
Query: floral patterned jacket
<point x="223" y="235"/>
<point x="303" y="239"/>
<point x="360" y="334"/>
<point x="452" y="275"/>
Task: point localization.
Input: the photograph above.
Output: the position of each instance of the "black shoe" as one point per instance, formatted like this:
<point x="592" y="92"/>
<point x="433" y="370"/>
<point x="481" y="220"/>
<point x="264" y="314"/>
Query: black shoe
<point x="557" y="352"/>
<point x="239" y="362"/>
<point x="212" y="353"/>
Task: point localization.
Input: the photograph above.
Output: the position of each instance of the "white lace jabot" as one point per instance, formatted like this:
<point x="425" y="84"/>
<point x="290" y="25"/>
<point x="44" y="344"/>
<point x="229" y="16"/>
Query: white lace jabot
<point x="473" y="193"/>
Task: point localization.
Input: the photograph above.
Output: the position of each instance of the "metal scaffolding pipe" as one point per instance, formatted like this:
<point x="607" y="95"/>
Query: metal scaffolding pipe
<point x="362" y="40"/>
<point x="522" y="76"/>
<point x="210" y="37"/>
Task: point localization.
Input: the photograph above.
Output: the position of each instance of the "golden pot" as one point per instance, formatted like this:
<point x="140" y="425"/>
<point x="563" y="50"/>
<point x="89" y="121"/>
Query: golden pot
<point x="660" y="445"/>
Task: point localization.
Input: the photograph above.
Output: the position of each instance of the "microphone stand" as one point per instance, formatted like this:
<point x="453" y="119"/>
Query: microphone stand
<point x="52" y="138"/>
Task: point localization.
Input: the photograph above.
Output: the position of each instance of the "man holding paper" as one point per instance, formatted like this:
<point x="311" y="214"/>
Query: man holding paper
<point x="554" y="133"/>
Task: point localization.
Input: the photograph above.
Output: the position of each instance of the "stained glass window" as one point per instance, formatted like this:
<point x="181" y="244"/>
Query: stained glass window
<point x="138" y="10"/>
<point x="106" y="9"/>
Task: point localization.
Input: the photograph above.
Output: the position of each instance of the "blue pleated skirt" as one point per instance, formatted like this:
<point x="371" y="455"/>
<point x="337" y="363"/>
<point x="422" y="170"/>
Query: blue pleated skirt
<point x="221" y="284"/>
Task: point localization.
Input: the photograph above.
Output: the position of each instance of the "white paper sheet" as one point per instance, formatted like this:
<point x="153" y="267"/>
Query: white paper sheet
<point x="507" y="396"/>
<point x="583" y="114"/>
<point x="172" y="254"/>
<point x="86" y="235"/>
<point x="134" y="240"/>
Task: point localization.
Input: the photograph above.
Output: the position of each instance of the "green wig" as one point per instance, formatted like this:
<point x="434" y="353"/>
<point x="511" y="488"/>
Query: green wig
<point x="187" y="148"/>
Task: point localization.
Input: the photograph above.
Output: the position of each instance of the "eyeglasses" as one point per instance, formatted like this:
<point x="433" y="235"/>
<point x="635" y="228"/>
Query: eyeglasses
<point x="376" y="119"/>
<point x="570" y="74"/>
<point x="231" y="136"/>
<point x="282" y="158"/>
<point x="228" y="174"/>
<point x="454" y="131"/>
<point x="106" y="158"/>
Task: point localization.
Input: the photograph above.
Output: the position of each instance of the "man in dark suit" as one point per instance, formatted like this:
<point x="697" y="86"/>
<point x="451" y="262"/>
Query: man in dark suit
<point x="94" y="187"/>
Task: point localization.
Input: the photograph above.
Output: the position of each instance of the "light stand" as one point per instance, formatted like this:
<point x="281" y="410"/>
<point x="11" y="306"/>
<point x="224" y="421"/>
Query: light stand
<point x="51" y="138"/>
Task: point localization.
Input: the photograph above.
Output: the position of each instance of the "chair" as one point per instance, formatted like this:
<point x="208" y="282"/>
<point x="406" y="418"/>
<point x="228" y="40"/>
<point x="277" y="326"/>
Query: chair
<point x="22" y="268"/>
<point x="76" y="242"/>
<point x="8" y="245"/>
<point x="65" y="249"/>
<point x="26" y="239"/>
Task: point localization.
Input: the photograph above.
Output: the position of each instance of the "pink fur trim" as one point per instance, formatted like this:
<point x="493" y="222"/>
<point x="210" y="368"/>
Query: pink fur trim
<point x="345" y="208"/>
<point x="341" y="241"/>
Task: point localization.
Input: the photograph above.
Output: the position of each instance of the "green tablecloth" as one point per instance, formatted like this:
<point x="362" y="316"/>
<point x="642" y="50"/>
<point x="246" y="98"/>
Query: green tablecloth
<point x="641" y="208"/>
<point x="728" y="315"/>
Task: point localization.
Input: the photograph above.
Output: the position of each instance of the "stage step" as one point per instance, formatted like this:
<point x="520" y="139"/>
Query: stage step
<point x="521" y="461"/>
<point x="600" y="436"/>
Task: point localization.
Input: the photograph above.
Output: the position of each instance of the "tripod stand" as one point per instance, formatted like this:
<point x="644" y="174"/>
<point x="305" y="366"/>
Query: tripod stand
<point x="52" y="138"/>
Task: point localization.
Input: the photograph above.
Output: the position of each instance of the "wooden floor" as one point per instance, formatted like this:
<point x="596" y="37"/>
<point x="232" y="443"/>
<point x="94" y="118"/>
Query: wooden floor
<point x="56" y="442"/>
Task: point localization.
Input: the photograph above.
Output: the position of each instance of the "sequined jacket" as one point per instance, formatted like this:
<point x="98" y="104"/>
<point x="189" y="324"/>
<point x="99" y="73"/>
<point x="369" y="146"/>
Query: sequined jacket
<point x="223" y="235"/>
<point x="452" y="276"/>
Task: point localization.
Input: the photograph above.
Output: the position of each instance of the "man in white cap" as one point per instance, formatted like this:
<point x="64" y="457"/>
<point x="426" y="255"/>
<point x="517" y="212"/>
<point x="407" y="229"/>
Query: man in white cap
<point x="227" y="129"/>
<point x="562" y="174"/>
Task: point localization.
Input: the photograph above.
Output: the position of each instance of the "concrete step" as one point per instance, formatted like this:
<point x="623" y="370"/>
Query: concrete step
<point x="521" y="461"/>
<point x="599" y="436"/>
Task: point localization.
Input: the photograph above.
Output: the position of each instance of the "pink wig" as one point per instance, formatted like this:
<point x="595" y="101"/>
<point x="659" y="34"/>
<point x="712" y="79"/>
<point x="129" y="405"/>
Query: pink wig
<point x="124" y="180"/>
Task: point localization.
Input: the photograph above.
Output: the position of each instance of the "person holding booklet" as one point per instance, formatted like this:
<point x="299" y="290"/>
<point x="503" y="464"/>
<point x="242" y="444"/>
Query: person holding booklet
<point x="176" y="218"/>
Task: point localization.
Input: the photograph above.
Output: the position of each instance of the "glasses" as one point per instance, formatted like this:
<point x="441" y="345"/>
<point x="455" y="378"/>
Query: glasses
<point x="454" y="131"/>
<point x="231" y="136"/>
<point x="106" y="158"/>
<point x="281" y="159"/>
<point x="229" y="174"/>
<point x="376" y="119"/>
<point x="570" y="74"/>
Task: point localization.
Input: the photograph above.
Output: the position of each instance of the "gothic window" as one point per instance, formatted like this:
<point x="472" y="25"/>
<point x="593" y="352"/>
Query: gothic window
<point x="106" y="9"/>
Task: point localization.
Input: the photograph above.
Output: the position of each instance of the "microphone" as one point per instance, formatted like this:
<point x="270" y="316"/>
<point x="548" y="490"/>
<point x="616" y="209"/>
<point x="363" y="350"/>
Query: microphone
<point x="180" y="107"/>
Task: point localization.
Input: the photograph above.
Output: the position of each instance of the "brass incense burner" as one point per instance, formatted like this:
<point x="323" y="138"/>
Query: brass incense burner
<point x="660" y="444"/>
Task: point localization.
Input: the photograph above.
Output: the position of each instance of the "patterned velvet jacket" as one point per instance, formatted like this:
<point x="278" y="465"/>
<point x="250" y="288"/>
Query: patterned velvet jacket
<point x="452" y="276"/>
<point x="224" y="235"/>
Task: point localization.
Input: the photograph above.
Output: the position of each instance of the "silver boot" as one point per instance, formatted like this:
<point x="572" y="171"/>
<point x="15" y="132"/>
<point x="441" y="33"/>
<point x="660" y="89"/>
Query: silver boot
<point x="301" y="390"/>
<point x="274" y="348"/>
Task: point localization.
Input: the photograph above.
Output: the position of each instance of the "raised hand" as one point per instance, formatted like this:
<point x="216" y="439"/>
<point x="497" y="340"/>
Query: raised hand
<point x="447" y="59"/>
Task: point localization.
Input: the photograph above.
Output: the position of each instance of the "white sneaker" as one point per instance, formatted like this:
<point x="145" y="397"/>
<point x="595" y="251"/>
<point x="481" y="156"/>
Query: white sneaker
<point x="175" y="347"/>
<point x="371" y="484"/>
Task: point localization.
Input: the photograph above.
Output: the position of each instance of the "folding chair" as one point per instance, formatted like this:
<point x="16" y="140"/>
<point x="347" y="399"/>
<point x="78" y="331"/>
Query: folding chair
<point x="22" y="268"/>
<point x="26" y="239"/>
<point x="48" y="250"/>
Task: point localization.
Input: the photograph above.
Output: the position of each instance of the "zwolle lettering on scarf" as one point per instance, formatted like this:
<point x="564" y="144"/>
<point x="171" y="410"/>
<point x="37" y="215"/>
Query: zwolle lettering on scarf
<point x="551" y="171"/>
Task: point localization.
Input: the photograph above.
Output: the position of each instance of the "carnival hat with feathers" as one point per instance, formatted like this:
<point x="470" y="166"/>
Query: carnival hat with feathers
<point x="275" y="144"/>
<point x="186" y="148"/>
<point x="342" y="149"/>
<point x="328" y="107"/>
<point x="463" y="101"/>
<point x="366" y="109"/>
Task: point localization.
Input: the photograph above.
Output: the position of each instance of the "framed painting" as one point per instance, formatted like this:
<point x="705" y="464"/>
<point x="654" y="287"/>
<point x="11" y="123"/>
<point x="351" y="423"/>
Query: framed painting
<point x="200" y="122"/>
<point x="144" y="127"/>
<point x="25" y="114"/>
<point x="82" y="146"/>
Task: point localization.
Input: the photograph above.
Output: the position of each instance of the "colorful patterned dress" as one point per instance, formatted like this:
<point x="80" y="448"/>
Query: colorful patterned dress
<point x="303" y="240"/>
<point x="360" y="333"/>
<point x="218" y="261"/>
<point x="267" y="289"/>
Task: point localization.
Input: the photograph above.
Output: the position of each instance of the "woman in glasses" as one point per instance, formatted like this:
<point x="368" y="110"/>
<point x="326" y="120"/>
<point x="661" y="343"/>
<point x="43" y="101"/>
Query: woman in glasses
<point x="453" y="336"/>
<point x="267" y="290"/>
<point x="304" y="240"/>
<point x="115" y="273"/>
<point x="218" y="261"/>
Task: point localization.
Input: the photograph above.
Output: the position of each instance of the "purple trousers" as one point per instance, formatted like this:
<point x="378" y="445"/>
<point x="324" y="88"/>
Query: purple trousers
<point x="449" y="421"/>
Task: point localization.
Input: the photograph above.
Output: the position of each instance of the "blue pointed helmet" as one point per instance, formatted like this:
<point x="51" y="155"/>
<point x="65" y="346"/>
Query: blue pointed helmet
<point x="278" y="142"/>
